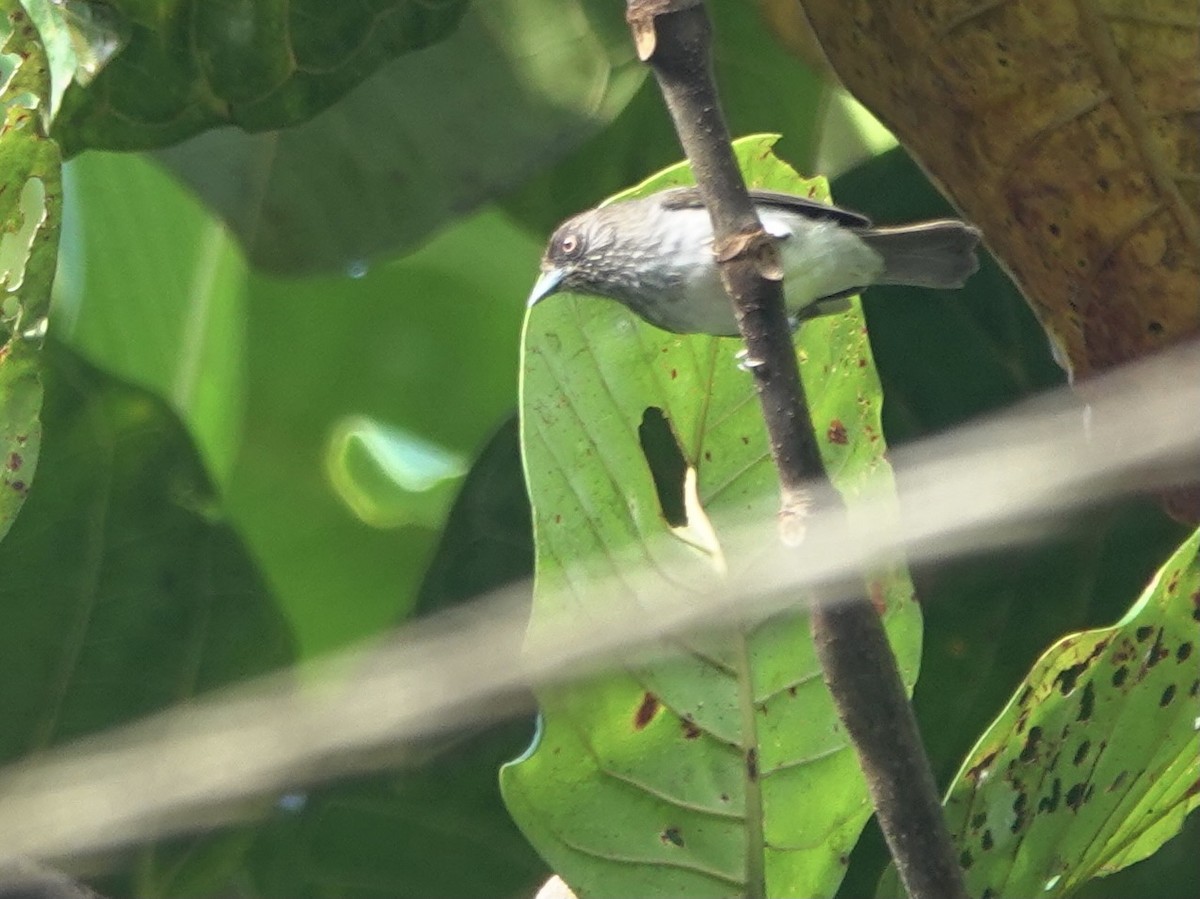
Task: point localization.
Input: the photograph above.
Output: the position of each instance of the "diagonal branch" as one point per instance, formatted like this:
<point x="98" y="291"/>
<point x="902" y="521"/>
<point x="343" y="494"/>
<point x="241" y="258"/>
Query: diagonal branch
<point x="674" y="37"/>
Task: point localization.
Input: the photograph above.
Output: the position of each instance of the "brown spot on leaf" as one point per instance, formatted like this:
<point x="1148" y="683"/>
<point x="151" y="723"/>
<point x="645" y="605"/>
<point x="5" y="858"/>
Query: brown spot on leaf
<point x="837" y="432"/>
<point x="1067" y="678"/>
<point x="1049" y="802"/>
<point x="646" y="711"/>
<point x="1167" y="695"/>
<point x="1020" y="811"/>
<point x="1081" y="753"/>
<point x="1158" y="651"/>
<point x="1075" y="797"/>
<point x="1182" y="653"/>
<point x="671" y="836"/>
<point x="1087" y="702"/>
<point x="976" y="771"/>
<point x="690" y="729"/>
<point x="1125" y="652"/>
<point x="1120" y="676"/>
<point x="14" y="461"/>
<point x="1098" y="649"/>
<point x="1029" y="750"/>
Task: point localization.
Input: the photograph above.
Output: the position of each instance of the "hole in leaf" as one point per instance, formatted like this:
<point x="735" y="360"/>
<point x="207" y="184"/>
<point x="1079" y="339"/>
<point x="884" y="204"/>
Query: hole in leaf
<point x="667" y="465"/>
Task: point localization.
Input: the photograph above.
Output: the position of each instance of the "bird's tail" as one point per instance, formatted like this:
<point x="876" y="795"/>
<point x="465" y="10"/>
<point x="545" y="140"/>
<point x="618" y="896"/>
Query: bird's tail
<point x="937" y="254"/>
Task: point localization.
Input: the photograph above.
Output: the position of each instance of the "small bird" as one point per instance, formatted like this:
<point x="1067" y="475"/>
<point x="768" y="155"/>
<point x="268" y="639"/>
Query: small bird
<point x="655" y="256"/>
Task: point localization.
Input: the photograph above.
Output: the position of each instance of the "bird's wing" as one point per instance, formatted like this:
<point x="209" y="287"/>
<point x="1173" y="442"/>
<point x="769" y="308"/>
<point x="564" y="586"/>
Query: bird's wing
<point x="689" y="198"/>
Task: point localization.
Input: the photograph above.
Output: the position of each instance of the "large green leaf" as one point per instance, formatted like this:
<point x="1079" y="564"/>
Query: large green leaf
<point x="430" y="137"/>
<point x="433" y="827"/>
<point x="1094" y="762"/>
<point x="30" y="218"/>
<point x="725" y="766"/>
<point x="271" y="376"/>
<point x="437" y="829"/>
<point x="428" y="344"/>
<point x="193" y="64"/>
<point x="20" y="428"/>
<point x="120" y="595"/>
<point x="152" y="289"/>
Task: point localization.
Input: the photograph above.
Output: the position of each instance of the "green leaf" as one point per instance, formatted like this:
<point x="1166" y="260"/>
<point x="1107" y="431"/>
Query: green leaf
<point x="390" y="476"/>
<point x="195" y="64"/>
<point x="428" y="345"/>
<point x="430" y="137"/>
<point x="50" y="19"/>
<point x="266" y="374"/>
<point x="488" y="538"/>
<point x="120" y="595"/>
<point x="1094" y="762"/>
<point x="434" y="827"/>
<point x="725" y="767"/>
<point x="30" y="218"/>
<point x="20" y="429"/>
<point x="152" y="289"/>
<point x="437" y="831"/>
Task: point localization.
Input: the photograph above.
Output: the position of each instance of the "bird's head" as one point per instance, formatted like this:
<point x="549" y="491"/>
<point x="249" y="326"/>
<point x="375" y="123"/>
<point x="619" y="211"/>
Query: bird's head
<point x="579" y="257"/>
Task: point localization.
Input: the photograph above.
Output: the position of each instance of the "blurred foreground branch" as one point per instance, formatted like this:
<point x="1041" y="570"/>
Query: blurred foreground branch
<point x="987" y="485"/>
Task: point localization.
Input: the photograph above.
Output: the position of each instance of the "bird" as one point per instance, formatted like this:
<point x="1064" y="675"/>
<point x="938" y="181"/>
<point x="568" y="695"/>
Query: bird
<point x="654" y="255"/>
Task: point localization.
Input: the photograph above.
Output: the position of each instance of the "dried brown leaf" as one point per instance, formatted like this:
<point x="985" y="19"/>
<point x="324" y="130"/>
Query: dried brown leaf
<point x="1069" y="131"/>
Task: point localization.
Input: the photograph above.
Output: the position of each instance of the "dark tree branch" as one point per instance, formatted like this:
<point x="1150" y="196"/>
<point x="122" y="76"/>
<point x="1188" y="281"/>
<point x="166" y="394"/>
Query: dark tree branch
<point x="674" y="37"/>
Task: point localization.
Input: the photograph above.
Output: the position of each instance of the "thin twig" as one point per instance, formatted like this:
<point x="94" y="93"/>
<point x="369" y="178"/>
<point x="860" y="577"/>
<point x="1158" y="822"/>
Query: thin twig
<point x="674" y="37"/>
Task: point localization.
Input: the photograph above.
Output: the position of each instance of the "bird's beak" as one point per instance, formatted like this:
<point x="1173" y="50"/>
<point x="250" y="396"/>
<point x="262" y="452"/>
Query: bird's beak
<point x="547" y="283"/>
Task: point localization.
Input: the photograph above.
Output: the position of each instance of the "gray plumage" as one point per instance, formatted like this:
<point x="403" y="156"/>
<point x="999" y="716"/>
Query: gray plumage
<point x="654" y="255"/>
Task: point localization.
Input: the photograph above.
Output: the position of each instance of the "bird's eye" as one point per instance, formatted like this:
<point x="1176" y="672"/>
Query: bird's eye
<point x="569" y="245"/>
